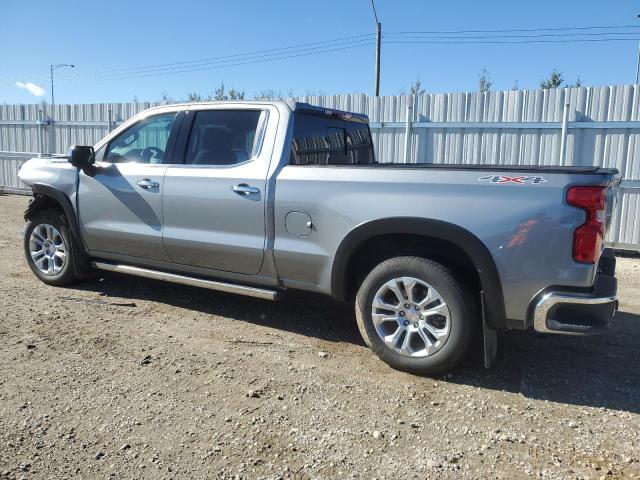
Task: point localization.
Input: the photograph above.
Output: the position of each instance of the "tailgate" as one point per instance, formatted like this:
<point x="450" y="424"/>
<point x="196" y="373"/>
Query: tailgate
<point x="612" y="198"/>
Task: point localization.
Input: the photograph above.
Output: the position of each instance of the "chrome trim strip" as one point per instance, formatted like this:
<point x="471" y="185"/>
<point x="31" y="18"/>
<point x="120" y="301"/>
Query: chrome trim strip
<point x="216" y="167"/>
<point x="184" y="280"/>
<point x="551" y="299"/>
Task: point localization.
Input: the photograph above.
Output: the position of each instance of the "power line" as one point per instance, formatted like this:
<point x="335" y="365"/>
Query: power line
<point x="319" y="50"/>
<point x="498" y="42"/>
<point x="568" y="35"/>
<point x="541" y="35"/>
<point x="353" y="39"/>
<point x="229" y="59"/>
<point x="555" y="29"/>
<point x="276" y="52"/>
<point x="214" y="67"/>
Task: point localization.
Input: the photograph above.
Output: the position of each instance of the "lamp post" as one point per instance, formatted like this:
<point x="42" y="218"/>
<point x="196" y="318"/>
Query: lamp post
<point x="51" y="70"/>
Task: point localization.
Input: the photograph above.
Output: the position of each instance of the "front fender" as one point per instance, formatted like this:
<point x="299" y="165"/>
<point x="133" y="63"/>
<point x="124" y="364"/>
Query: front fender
<point x="48" y="196"/>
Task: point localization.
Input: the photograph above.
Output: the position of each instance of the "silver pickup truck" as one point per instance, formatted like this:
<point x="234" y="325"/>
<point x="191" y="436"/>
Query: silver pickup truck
<point x="255" y="198"/>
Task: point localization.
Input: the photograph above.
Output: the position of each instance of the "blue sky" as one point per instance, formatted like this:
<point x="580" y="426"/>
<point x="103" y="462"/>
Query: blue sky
<point x="100" y="37"/>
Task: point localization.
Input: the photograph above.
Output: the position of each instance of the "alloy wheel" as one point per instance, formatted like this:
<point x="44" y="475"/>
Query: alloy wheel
<point x="411" y="317"/>
<point x="47" y="249"/>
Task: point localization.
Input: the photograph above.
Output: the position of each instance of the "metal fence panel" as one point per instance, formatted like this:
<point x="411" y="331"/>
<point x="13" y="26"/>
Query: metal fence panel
<point x="503" y="127"/>
<point x="10" y="163"/>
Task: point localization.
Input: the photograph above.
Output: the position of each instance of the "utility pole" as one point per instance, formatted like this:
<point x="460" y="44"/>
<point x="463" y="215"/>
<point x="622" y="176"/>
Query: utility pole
<point x="637" y="63"/>
<point x="378" y="43"/>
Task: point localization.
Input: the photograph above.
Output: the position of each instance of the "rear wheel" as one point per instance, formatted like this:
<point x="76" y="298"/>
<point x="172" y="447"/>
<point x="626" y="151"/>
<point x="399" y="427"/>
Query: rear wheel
<point x="48" y="248"/>
<point x="415" y="315"/>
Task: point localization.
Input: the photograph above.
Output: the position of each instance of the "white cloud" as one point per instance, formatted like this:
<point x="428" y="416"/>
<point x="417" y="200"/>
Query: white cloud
<point x="34" y="89"/>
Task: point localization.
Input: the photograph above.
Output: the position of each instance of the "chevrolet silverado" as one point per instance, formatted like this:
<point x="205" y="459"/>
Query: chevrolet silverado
<point x="256" y="198"/>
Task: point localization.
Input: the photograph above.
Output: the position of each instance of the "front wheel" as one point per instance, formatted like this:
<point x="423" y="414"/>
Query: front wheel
<point x="415" y="315"/>
<point x="48" y="248"/>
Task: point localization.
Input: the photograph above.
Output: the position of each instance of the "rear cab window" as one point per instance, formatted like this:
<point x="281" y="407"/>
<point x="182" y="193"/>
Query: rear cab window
<point x="330" y="138"/>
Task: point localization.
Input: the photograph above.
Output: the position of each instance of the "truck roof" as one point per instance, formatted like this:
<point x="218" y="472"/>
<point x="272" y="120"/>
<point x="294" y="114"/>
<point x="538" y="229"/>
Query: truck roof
<point x="324" y="111"/>
<point x="300" y="107"/>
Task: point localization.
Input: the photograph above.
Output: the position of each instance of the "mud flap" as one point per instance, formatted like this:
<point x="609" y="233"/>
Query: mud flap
<point x="490" y="336"/>
<point x="81" y="264"/>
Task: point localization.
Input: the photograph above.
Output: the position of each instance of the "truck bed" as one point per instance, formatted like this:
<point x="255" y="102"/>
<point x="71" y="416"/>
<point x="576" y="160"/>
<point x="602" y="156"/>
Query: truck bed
<point x="493" y="167"/>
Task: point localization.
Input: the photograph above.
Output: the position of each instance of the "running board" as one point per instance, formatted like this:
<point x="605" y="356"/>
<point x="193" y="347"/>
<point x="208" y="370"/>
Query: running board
<point x="184" y="280"/>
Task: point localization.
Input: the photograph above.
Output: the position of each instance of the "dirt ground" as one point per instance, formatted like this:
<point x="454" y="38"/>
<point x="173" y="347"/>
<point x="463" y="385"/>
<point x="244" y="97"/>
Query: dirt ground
<point x="121" y="377"/>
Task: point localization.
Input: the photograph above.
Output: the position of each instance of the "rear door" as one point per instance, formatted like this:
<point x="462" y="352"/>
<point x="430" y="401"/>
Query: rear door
<point x="120" y="207"/>
<point x="214" y="201"/>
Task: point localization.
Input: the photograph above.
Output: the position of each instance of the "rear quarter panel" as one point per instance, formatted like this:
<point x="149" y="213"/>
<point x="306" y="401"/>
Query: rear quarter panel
<point x="527" y="228"/>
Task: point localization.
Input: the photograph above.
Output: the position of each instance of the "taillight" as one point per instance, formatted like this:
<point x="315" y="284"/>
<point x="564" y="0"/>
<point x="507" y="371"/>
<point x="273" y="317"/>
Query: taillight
<point x="588" y="237"/>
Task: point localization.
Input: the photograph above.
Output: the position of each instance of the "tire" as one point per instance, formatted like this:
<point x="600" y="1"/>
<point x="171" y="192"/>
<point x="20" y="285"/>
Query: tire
<point x="436" y="338"/>
<point x="55" y="265"/>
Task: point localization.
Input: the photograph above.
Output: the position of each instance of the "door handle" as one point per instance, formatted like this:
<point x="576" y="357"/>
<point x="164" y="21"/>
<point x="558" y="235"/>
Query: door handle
<point x="244" y="189"/>
<point x="147" y="183"/>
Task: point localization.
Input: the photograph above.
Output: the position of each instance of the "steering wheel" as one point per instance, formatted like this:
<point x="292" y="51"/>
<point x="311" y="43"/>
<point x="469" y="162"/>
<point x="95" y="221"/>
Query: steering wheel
<point x="148" y="152"/>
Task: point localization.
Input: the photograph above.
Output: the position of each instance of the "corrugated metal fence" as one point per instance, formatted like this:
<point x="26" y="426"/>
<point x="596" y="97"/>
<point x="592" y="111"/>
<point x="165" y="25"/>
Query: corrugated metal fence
<point x="574" y="126"/>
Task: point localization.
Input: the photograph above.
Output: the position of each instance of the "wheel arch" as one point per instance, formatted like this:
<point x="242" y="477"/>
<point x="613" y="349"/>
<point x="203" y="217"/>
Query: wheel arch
<point x="48" y="196"/>
<point x="436" y="231"/>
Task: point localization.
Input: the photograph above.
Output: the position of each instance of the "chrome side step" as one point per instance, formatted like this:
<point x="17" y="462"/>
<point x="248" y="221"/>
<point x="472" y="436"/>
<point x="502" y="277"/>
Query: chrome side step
<point x="184" y="280"/>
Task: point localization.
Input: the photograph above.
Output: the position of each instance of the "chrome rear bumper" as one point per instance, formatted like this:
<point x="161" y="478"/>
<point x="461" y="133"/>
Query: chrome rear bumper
<point x="580" y="313"/>
<point x="545" y="322"/>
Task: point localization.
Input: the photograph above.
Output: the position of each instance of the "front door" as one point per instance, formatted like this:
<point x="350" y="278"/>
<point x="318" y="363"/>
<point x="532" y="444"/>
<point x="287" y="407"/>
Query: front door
<point x="214" y="202"/>
<point x="120" y="207"/>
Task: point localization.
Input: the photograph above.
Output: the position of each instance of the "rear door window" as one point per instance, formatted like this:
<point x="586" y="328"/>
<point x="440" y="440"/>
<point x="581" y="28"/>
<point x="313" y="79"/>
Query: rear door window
<point x="223" y="137"/>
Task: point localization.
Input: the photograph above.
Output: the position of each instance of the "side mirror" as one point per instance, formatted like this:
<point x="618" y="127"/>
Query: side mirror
<point x="82" y="157"/>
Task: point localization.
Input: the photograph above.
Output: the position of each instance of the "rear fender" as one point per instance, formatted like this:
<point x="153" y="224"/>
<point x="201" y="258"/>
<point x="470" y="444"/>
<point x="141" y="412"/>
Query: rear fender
<point x="481" y="257"/>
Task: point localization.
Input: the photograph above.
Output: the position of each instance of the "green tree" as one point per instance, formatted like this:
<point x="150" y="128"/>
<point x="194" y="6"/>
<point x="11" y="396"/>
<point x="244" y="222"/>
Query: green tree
<point x="414" y="89"/>
<point x="236" y="94"/>
<point x="220" y="94"/>
<point x="577" y="84"/>
<point x="555" y="80"/>
<point x="484" y="81"/>
<point x="193" y="97"/>
<point x="311" y="93"/>
<point x="268" y="94"/>
<point x="166" y="98"/>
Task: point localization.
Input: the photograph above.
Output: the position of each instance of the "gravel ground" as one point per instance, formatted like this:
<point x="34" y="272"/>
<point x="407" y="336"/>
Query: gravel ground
<point x="121" y="377"/>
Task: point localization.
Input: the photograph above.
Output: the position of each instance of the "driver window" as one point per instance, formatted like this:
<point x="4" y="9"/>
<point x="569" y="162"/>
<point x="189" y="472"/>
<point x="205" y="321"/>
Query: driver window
<point x="144" y="142"/>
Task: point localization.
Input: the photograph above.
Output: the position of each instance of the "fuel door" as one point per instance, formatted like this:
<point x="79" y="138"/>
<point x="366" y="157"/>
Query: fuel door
<point x="298" y="223"/>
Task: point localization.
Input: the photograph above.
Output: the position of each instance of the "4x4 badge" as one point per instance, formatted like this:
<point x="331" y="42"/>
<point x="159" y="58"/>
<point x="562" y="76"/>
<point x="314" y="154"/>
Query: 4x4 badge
<point x="506" y="179"/>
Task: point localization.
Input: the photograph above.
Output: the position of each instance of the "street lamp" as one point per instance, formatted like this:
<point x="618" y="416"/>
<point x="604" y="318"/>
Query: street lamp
<point x="53" y="102"/>
<point x="52" y="68"/>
